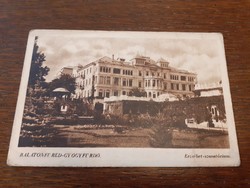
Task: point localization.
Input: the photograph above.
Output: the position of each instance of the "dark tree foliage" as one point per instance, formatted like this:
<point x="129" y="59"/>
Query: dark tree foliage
<point x="65" y="81"/>
<point x="37" y="70"/>
<point x="137" y="92"/>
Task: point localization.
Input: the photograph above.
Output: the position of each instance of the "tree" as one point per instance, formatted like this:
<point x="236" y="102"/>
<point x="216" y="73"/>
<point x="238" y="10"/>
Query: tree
<point x="161" y="134"/>
<point x="37" y="70"/>
<point x="137" y="92"/>
<point x="65" y="81"/>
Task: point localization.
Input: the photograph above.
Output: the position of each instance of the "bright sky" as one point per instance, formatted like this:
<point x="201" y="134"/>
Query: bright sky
<point x="201" y="56"/>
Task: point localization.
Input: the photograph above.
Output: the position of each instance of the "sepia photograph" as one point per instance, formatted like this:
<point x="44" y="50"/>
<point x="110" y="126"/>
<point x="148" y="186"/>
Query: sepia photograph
<point x="125" y="90"/>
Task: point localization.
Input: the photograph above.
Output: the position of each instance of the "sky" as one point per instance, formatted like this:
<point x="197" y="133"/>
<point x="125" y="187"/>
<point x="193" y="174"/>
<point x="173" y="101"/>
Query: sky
<point x="200" y="56"/>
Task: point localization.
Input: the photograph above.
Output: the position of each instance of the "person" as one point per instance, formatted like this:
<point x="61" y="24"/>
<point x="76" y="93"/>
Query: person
<point x="209" y="118"/>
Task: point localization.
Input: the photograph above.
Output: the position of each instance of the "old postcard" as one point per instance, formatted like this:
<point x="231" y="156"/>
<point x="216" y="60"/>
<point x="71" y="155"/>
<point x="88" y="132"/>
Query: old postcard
<point x="124" y="99"/>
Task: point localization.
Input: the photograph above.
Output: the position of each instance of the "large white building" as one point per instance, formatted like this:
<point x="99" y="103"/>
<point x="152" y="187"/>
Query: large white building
<point x="107" y="77"/>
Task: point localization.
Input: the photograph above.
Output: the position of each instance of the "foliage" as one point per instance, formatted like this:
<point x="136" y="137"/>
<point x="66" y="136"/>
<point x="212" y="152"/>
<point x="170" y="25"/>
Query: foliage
<point x="160" y="126"/>
<point x="75" y="107"/>
<point x="37" y="70"/>
<point x="161" y="134"/>
<point x="141" y="120"/>
<point x="65" y="81"/>
<point x="137" y="92"/>
<point x="190" y="108"/>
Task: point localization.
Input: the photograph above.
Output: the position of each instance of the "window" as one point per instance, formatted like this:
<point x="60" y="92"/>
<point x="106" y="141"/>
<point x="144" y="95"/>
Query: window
<point x="108" y="80"/>
<point x="172" y="86"/>
<point x="107" y="93"/>
<point x="177" y="86"/>
<point x="130" y="82"/>
<point x="127" y="72"/>
<point x="124" y="82"/>
<point x="101" y="80"/>
<point x="183" y="87"/>
<point x="174" y="77"/>
<point x="115" y="93"/>
<point x="190" y="79"/>
<point x="154" y="95"/>
<point x="116" y="71"/>
<point x="100" y="94"/>
<point x="153" y="83"/>
<point x="147" y="73"/>
<point x="190" y="87"/>
<point x="183" y="78"/>
<point x="149" y="94"/>
<point x="139" y="84"/>
<point x="124" y="92"/>
<point x="140" y="73"/>
<point x="165" y="86"/>
<point x="104" y="69"/>
<point x="116" y="81"/>
<point x="164" y="75"/>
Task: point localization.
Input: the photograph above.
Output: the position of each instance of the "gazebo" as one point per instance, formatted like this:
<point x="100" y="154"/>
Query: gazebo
<point x="60" y="92"/>
<point x="166" y="97"/>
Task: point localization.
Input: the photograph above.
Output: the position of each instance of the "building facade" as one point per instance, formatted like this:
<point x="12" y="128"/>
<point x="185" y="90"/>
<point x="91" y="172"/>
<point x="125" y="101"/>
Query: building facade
<point x="65" y="70"/>
<point x="108" y="77"/>
<point x="208" y="90"/>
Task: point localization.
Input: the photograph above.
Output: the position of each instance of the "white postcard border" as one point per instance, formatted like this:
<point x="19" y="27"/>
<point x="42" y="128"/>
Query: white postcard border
<point x="122" y="157"/>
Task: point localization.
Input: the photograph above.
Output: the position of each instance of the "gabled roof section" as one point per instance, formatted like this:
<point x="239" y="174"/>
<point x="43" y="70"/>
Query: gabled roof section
<point x="181" y="71"/>
<point x="105" y="58"/>
<point x="115" y="61"/>
<point x="148" y="60"/>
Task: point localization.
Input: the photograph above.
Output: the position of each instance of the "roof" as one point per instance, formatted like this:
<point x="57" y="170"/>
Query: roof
<point x="60" y="90"/>
<point x="149" y="63"/>
<point x="68" y="67"/>
<point x="181" y="71"/>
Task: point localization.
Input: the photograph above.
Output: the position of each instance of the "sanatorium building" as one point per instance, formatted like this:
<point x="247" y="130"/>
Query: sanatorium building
<point x="108" y="77"/>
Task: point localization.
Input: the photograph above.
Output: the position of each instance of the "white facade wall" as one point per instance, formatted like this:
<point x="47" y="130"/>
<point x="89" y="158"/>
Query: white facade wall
<point x="110" y="77"/>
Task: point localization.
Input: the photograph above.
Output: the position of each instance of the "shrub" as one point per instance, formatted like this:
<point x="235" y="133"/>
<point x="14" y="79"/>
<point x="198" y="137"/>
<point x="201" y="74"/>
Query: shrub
<point x="161" y="136"/>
